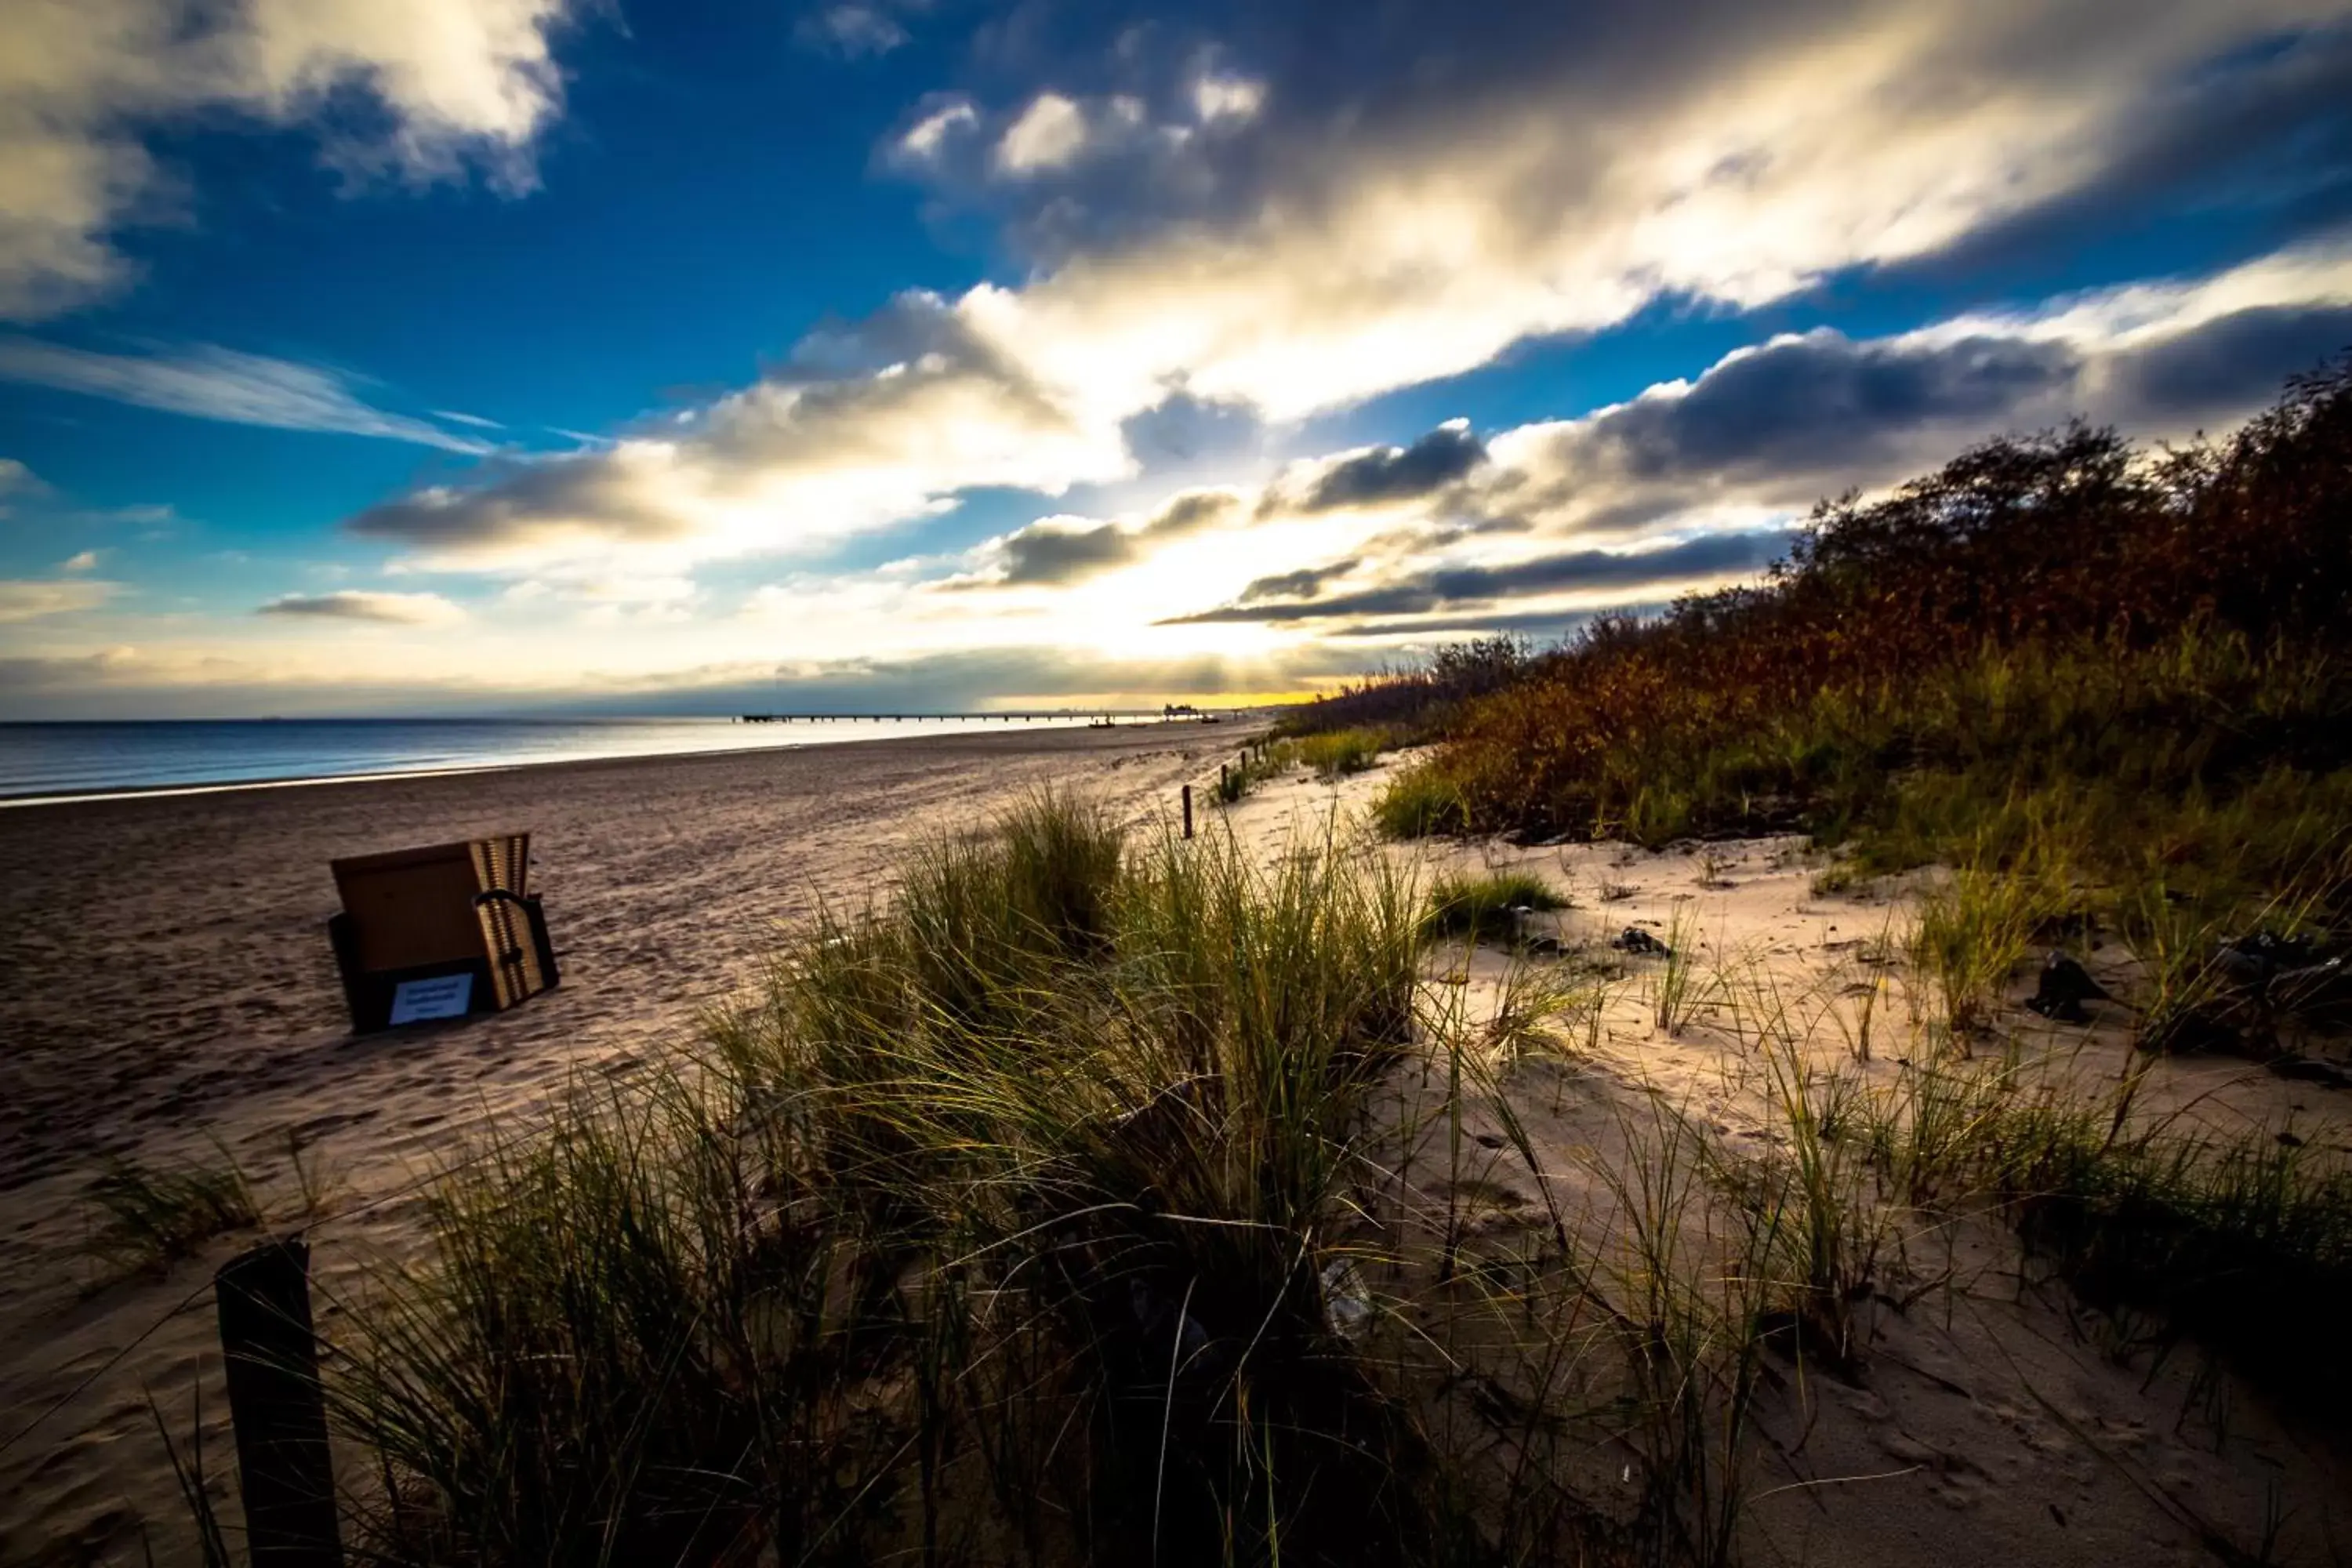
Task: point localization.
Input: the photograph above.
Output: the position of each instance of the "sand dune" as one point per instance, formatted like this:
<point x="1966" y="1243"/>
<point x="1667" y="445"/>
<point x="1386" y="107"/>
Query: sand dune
<point x="165" y="984"/>
<point x="1998" y="1421"/>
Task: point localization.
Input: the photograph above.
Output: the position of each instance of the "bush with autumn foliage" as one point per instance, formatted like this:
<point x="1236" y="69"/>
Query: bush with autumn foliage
<point x="2063" y="623"/>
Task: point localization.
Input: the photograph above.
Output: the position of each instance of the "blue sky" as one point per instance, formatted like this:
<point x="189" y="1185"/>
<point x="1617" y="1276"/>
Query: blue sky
<point x="504" y="355"/>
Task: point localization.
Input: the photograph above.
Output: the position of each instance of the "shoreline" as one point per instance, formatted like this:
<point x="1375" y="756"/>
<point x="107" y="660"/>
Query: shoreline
<point x="1030" y="729"/>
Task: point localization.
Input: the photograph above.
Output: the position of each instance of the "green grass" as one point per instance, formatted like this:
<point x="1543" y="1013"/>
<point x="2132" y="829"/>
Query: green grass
<point x="149" y="1218"/>
<point x="1335" y="754"/>
<point x="1419" y="803"/>
<point x="1974" y="930"/>
<point x="2243" y="1241"/>
<point x="1479" y="908"/>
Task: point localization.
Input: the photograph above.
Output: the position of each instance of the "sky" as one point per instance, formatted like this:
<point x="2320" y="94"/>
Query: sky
<point x="503" y="356"/>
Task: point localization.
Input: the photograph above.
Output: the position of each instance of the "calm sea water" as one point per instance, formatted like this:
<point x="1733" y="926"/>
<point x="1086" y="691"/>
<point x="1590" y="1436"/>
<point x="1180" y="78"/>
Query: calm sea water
<point x="51" y="761"/>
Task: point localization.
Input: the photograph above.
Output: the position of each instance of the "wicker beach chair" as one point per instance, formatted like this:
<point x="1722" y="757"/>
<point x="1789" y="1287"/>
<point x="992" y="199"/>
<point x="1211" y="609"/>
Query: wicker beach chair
<point x="446" y="929"/>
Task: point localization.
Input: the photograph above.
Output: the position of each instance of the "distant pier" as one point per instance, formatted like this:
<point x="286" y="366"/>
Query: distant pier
<point x="1097" y="715"/>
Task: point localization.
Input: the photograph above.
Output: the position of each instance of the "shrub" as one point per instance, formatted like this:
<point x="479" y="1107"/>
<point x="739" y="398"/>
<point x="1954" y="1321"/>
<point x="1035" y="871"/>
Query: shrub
<point x="1340" y="751"/>
<point x="1419" y="802"/>
<point x="1479" y="908"/>
<point x="2059" y="624"/>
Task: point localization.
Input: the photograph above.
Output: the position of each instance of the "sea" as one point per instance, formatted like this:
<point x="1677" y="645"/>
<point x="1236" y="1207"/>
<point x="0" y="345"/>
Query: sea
<point x="50" y="762"/>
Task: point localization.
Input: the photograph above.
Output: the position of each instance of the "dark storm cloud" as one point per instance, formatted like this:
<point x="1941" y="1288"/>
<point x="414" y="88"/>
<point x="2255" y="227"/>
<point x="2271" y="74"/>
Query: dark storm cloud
<point x="1053" y="553"/>
<point x="351" y="604"/>
<point x="1439" y="588"/>
<point x="1182" y="429"/>
<point x="1396" y="473"/>
<point x="1303" y="583"/>
<point x="512" y="501"/>
<point x="2230" y="363"/>
<point x="2263" y="135"/>
<point x="1805" y="403"/>
<point x="1045" y="552"/>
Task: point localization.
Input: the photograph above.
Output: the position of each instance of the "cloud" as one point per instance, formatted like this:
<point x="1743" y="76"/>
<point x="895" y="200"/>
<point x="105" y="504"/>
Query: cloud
<point x="18" y="482"/>
<point x="474" y="420"/>
<point x="1445" y="186"/>
<point x="1182" y="430"/>
<point x="1060" y="551"/>
<point x="2266" y="128"/>
<point x="1381" y="474"/>
<point x="81" y="560"/>
<point x="866" y="425"/>
<point x="2223" y="365"/>
<point x="352" y="605"/>
<point x="1455" y="588"/>
<point x="852" y="31"/>
<point x="1270" y="231"/>
<point x="1049" y="133"/>
<point x="1051" y="552"/>
<point x="1303" y="583"/>
<point x="930" y="139"/>
<point x="1779" y="425"/>
<point x="26" y="600"/>
<point x="208" y="383"/>
<point x="457" y="84"/>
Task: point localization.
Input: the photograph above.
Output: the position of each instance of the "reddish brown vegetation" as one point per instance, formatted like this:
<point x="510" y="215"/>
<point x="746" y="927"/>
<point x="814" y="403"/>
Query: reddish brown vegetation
<point x="2035" y="597"/>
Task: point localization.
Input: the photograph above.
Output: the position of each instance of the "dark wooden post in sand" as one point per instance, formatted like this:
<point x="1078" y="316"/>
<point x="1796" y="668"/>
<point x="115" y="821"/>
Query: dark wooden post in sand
<point x="276" y="1405"/>
<point x="1188" y="811"/>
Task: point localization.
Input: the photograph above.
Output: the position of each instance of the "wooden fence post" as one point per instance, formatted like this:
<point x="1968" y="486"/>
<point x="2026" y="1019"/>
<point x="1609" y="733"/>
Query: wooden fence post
<point x="276" y="1408"/>
<point x="1188" y="811"/>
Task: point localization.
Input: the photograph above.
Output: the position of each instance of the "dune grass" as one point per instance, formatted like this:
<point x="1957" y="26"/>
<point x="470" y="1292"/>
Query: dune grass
<point x="1480" y="908"/>
<point x="1419" y="803"/>
<point x="1267" y="757"/>
<point x="152" y="1216"/>
<point x="996" y="1226"/>
<point x="1096" y="1199"/>
<point x="1336" y="753"/>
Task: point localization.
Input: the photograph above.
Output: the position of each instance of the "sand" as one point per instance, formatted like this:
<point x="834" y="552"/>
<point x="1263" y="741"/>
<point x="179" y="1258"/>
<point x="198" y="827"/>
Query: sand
<point x="167" y="985"/>
<point x="1994" y="1418"/>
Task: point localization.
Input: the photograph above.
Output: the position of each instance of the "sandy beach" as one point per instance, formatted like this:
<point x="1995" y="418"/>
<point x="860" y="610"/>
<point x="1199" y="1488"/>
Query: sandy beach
<point x="166" y="984"/>
<point x="2000" y="1422"/>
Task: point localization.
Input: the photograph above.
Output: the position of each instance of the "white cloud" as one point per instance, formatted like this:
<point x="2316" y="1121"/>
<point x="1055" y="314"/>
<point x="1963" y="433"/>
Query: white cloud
<point x="353" y="604"/>
<point x="18" y="482"/>
<point x="81" y="560"/>
<point x="1545" y="171"/>
<point x="876" y="426"/>
<point x="1414" y="215"/>
<point x="209" y="382"/>
<point x="927" y="138"/>
<point x="851" y="30"/>
<point x="462" y="82"/>
<point x="474" y="420"/>
<point x="1049" y="134"/>
<point x="26" y="599"/>
<point x="1216" y="98"/>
